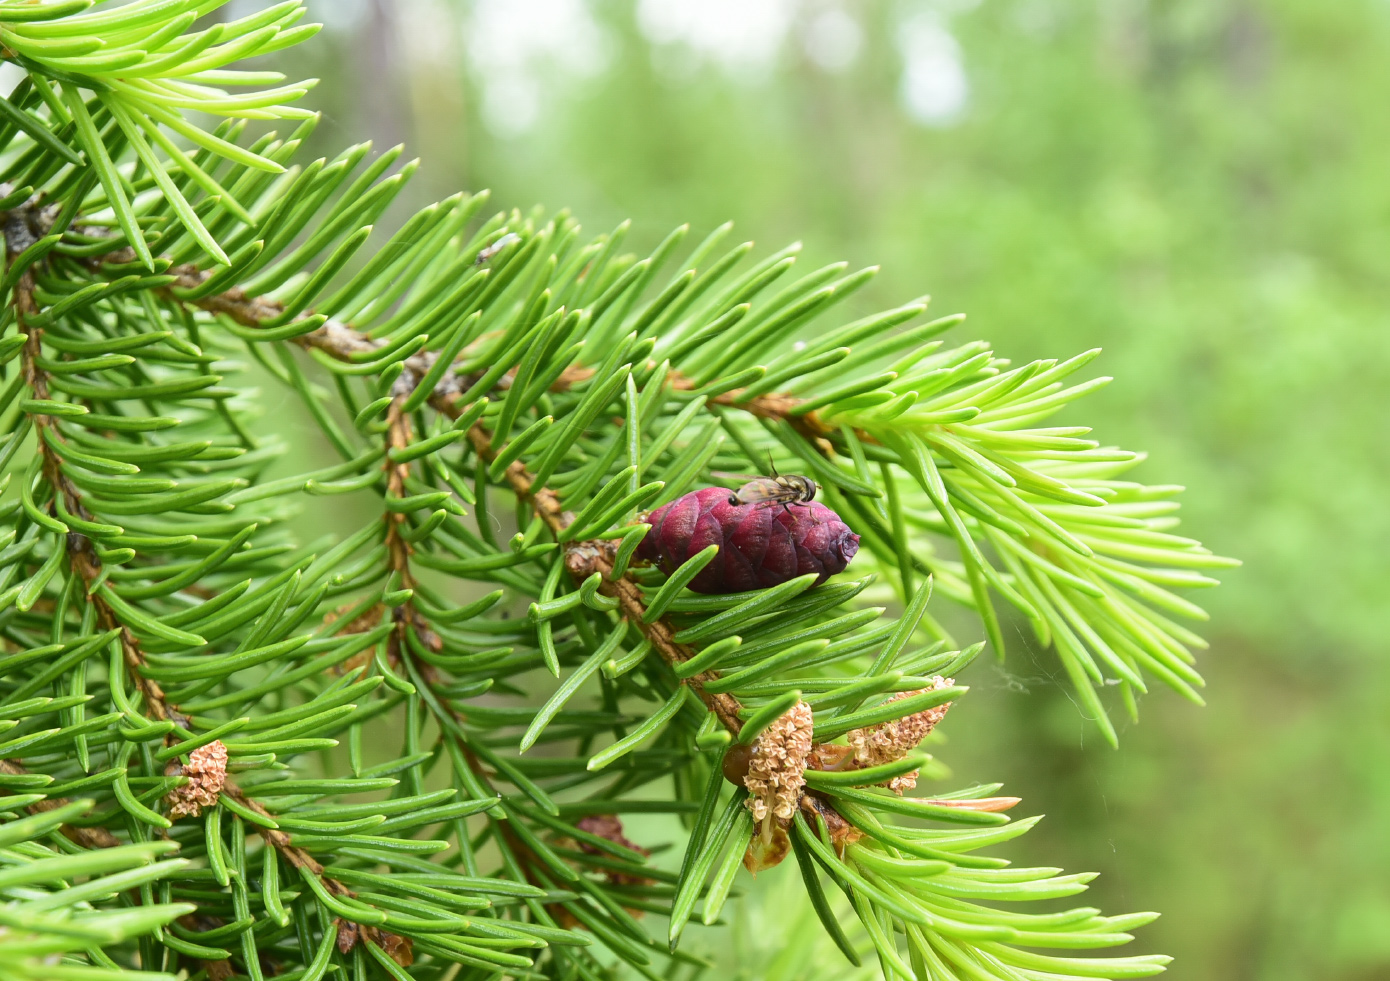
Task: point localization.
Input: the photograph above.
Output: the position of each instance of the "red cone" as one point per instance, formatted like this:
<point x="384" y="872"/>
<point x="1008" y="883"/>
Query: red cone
<point x="759" y="545"/>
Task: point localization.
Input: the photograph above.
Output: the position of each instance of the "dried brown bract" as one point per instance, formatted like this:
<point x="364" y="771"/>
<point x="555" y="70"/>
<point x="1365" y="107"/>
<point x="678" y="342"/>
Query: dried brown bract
<point x="765" y="852"/>
<point x="359" y="624"/>
<point x="206" y="771"/>
<point x="841" y="832"/>
<point x="399" y="949"/>
<point x="831" y="756"/>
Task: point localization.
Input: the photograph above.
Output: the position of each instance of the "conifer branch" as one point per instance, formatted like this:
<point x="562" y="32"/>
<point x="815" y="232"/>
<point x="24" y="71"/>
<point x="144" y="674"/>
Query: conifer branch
<point x="503" y="357"/>
<point x="341" y="341"/>
<point x="406" y="616"/>
<point x="88" y="567"/>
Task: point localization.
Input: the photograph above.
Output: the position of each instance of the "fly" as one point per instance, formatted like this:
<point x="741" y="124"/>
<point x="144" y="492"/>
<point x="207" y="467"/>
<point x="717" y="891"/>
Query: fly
<point x="784" y="489"/>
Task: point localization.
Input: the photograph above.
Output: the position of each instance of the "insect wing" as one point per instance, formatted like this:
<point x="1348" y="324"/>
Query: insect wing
<point x="765" y="490"/>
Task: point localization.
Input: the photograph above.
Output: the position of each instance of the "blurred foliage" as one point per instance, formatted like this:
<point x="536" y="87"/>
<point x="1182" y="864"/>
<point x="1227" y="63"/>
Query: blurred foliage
<point x="1195" y="185"/>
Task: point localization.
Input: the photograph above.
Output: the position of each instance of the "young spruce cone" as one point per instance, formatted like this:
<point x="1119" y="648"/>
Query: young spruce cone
<point x="760" y="545"/>
<point x="207" y="775"/>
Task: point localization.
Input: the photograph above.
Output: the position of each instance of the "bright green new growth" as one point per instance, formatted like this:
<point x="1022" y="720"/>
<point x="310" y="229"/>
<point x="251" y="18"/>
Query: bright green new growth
<point x="468" y="371"/>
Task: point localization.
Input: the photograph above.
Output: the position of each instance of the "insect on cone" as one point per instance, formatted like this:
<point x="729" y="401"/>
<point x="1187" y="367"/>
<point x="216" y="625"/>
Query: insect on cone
<point x="759" y="545"/>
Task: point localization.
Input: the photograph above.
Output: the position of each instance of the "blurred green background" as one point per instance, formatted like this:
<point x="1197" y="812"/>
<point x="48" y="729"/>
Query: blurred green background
<point x="1197" y="186"/>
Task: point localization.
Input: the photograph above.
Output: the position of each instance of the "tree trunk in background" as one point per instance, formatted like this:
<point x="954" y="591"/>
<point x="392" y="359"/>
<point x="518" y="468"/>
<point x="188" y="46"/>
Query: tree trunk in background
<point x="379" y="85"/>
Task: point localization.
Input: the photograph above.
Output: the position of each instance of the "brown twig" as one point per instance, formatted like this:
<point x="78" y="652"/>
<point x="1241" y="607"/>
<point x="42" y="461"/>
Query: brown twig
<point x="97" y="837"/>
<point x="586" y="558"/>
<point x="777" y="406"/>
<point x="397" y="437"/>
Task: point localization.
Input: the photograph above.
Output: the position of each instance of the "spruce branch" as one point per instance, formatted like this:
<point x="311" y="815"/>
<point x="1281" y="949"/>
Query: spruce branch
<point x="582" y="559"/>
<point x="146" y="74"/>
<point x="475" y="363"/>
<point x="88" y="568"/>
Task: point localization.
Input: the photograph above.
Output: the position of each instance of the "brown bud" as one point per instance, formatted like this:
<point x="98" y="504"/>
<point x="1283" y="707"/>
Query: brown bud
<point x="735" y="765"/>
<point x="610" y="827"/>
<point x="347" y="935"/>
